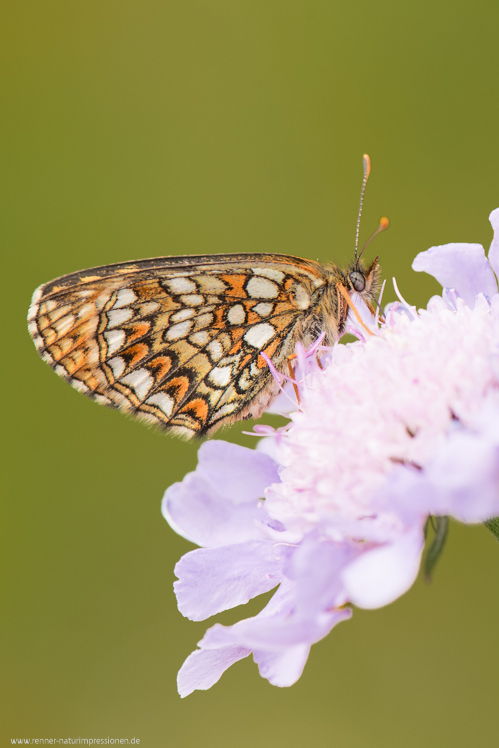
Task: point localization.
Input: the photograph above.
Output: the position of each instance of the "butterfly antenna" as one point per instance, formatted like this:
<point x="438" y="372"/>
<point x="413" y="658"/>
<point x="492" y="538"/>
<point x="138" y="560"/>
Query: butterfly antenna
<point x="367" y="170"/>
<point x="383" y="225"/>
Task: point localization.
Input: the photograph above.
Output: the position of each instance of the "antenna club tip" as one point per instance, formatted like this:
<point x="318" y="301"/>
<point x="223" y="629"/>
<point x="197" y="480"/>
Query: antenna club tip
<point x="384" y="223"/>
<point x="367" y="164"/>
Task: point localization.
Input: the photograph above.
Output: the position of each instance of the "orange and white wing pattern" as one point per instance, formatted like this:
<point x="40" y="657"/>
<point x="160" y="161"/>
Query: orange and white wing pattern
<point x="177" y="340"/>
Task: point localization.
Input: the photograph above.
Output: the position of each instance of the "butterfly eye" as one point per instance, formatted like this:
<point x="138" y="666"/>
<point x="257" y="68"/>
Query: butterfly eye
<point x="358" y="281"/>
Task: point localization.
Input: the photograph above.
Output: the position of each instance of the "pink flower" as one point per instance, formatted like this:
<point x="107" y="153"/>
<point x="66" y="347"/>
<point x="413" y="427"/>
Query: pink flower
<point x="394" y="428"/>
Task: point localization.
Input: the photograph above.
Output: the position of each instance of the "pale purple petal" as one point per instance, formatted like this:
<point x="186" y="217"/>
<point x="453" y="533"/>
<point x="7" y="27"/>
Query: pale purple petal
<point x="285" y="402"/>
<point x="279" y="608"/>
<point x="279" y="625"/>
<point x="463" y="267"/>
<point x="410" y="494"/>
<point x="279" y="640"/>
<point x="494" y="247"/>
<point x="282" y="667"/>
<point x="216" y="579"/>
<point x="218" y="503"/>
<point x="204" y="667"/>
<point x="382" y="574"/>
<point x="278" y="632"/>
<point x="465" y="477"/>
<point x="239" y="473"/>
<point x="316" y="567"/>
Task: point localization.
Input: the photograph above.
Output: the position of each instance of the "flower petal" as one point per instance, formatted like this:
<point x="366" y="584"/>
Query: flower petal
<point x="280" y="641"/>
<point x="465" y="477"/>
<point x="460" y="266"/>
<point x="218" y="503"/>
<point x="216" y="579"/>
<point x="276" y="633"/>
<point x="283" y="667"/>
<point x="494" y="247"/>
<point x="204" y="667"/>
<point x="316" y="566"/>
<point x="381" y="575"/>
<point x="278" y="626"/>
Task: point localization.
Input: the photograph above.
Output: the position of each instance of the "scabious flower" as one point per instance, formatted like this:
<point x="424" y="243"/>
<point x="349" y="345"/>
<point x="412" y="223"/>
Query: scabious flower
<point x="331" y="510"/>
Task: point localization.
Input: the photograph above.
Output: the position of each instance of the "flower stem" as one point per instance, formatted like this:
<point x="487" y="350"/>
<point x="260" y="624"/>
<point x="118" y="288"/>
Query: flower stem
<point x="441" y="527"/>
<point x="493" y="526"/>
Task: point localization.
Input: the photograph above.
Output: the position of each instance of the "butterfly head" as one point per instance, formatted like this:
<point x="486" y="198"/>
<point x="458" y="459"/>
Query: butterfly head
<point x="363" y="280"/>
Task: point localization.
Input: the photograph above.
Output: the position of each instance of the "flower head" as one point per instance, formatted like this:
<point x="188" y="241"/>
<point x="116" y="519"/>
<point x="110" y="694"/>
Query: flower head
<point x="332" y="509"/>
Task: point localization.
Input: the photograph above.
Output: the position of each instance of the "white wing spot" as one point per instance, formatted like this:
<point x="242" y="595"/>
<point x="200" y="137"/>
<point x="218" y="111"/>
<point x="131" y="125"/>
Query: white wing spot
<point x="263" y="309"/>
<point x="163" y="401"/>
<point x="180" y="285"/>
<point x="210" y="284"/>
<point x="244" y="381"/>
<point x="125" y="297"/>
<point x="215" y="350"/>
<point x="61" y="371"/>
<point x="182" y="315"/>
<point x="118" y="317"/>
<point x="200" y="338"/>
<point x="117" y="365"/>
<point x="236" y="314"/>
<point x="102" y="400"/>
<point x="64" y="325"/>
<point x="179" y="331"/>
<point x="226" y="409"/>
<point x="259" y="335"/>
<point x="192" y="299"/>
<point x="203" y="321"/>
<point x="261" y="288"/>
<point x="87" y="310"/>
<point x="300" y="297"/>
<point x="222" y="376"/>
<point x="78" y="385"/>
<point x="115" y="339"/>
<point x="276" y="275"/>
<point x="149" y="308"/>
<point x="141" y="381"/>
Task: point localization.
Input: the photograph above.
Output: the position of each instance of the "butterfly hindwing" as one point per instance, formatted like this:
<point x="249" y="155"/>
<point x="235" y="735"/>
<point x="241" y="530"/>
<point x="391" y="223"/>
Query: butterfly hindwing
<point x="177" y="340"/>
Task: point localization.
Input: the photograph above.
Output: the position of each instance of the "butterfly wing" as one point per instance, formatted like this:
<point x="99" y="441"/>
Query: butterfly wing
<point x="177" y="340"/>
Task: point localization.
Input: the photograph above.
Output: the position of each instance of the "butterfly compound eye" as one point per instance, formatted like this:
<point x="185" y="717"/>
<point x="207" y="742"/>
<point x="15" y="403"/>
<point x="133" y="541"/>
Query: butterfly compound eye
<point x="358" y="281"/>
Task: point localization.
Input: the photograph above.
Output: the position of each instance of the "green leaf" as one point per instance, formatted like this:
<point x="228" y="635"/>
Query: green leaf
<point x="493" y="526"/>
<point x="441" y="527"/>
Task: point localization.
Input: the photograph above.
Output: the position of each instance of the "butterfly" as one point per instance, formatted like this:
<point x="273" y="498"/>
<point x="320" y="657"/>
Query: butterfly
<point x="177" y="341"/>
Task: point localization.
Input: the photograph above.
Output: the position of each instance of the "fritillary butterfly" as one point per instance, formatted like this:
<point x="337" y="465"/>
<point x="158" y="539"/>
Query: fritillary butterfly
<point x="177" y="340"/>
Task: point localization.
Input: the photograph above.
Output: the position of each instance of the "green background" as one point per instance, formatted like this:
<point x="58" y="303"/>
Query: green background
<point x="135" y="129"/>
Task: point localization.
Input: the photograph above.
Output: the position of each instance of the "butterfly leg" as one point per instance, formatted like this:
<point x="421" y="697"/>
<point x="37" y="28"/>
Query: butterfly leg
<point x="372" y="309"/>
<point x="291" y="372"/>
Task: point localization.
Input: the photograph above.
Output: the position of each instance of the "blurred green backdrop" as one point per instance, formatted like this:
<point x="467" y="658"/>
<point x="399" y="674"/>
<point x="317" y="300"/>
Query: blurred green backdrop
<point x="134" y="129"/>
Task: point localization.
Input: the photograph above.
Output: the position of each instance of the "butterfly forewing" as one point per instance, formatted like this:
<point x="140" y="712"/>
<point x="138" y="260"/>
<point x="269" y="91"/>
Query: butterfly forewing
<point x="177" y="340"/>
